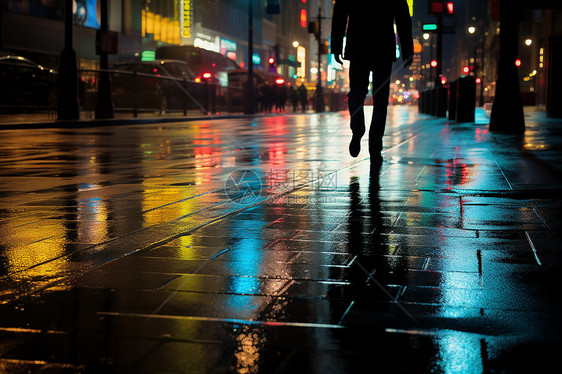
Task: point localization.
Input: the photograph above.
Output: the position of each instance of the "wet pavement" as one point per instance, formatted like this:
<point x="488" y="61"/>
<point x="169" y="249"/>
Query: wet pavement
<point x="259" y="245"/>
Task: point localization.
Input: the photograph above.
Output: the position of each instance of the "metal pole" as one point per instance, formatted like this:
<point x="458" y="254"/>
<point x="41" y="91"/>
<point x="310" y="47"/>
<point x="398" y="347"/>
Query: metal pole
<point x="482" y="70"/>
<point x="104" y="108"/>
<point x="439" y="69"/>
<point x="251" y="105"/>
<point x="319" y="94"/>
<point x="69" y="104"/>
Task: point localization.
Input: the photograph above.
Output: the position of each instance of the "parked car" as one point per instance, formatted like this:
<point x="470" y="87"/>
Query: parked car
<point x="25" y="84"/>
<point x="159" y="84"/>
<point x="208" y="66"/>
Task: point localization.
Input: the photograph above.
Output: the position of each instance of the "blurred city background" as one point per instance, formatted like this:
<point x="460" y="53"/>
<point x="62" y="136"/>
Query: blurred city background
<point x="169" y="57"/>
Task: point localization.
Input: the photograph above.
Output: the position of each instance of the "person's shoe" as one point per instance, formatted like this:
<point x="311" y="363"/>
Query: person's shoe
<point x="355" y="145"/>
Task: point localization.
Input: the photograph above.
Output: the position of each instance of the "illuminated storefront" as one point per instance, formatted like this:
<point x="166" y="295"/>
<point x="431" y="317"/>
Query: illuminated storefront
<point x="160" y="21"/>
<point x="301" y="57"/>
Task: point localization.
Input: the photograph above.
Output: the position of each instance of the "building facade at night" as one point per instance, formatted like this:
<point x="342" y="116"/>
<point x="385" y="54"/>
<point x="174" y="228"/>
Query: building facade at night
<point x="35" y="29"/>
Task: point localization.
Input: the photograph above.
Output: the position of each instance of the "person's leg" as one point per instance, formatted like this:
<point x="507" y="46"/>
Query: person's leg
<point x="359" y="86"/>
<point x="381" y="88"/>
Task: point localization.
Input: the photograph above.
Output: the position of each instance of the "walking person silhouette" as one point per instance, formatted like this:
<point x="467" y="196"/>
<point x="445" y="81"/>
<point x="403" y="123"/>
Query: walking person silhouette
<point x="368" y="26"/>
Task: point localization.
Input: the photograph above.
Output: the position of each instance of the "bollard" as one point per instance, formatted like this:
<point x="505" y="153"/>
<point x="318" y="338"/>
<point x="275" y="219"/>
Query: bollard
<point x="441" y="101"/>
<point x="426" y="102"/>
<point x="206" y="98"/>
<point x="432" y="102"/>
<point x="453" y="100"/>
<point x="466" y="99"/>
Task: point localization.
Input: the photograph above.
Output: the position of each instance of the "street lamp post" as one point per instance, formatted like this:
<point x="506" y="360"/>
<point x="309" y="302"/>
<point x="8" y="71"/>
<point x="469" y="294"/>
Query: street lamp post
<point x="104" y="105"/>
<point x="482" y="70"/>
<point x="69" y="104"/>
<point x="251" y="106"/>
<point x="319" y="93"/>
<point x="296" y="45"/>
<point x="478" y="68"/>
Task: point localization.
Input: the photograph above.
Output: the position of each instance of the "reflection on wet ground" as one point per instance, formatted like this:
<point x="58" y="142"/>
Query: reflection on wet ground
<point x="259" y="245"/>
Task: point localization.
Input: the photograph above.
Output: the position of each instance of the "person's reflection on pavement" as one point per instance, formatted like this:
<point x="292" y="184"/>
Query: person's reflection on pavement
<point x="364" y="234"/>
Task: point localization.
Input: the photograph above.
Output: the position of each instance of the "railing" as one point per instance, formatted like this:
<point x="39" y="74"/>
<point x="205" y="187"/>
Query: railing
<point x="134" y="93"/>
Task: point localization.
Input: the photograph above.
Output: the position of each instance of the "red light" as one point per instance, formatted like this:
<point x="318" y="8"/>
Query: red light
<point x="465" y="70"/>
<point x="280" y="81"/>
<point x="518" y="62"/>
<point x="478" y="80"/>
<point x="155" y="70"/>
<point x="303" y="18"/>
<point x="450" y="7"/>
<point x="433" y="63"/>
<point x="435" y="7"/>
<point x="206" y="75"/>
<point x="271" y="60"/>
<point x="443" y="80"/>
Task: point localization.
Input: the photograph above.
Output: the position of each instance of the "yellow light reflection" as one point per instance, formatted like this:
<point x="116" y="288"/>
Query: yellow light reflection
<point x="247" y="351"/>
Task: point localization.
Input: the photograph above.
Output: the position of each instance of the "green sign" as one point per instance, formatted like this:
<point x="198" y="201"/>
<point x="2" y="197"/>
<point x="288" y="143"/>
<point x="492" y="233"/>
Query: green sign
<point x="148" y="56"/>
<point x="429" y="27"/>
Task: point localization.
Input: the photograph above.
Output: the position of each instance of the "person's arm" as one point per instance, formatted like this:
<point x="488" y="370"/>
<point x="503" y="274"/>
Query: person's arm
<point x="404" y="28"/>
<point x="339" y="25"/>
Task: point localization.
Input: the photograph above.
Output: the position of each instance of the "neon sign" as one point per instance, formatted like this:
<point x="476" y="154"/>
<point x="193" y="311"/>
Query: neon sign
<point x="186" y="18"/>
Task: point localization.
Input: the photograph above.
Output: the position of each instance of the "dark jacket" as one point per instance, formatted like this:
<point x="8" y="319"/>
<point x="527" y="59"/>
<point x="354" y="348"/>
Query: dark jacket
<point x="369" y="27"/>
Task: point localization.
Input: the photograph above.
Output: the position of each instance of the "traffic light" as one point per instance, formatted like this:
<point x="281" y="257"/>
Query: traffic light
<point x="450" y="8"/>
<point x="478" y="80"/>
<point x="518" y="62"/>
<point x="435" y="7"/>
<point x="433" y="63"/>
<point x="272" y="66"/>
<point x="465" y="69"/>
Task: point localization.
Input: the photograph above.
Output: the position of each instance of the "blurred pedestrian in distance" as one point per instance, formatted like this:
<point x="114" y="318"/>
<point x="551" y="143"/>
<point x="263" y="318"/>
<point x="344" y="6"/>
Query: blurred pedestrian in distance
<point x="370" y="47"/>
<point x="280" y="97"/>
<point x="266" y="97"/>
<point x="294" y="97"/>
<point x="303" y="96"/>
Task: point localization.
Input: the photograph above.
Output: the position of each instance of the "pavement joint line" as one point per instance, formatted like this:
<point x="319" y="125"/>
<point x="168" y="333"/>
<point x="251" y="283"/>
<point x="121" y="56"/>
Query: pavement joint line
<point x="534" y="207"/>
<point x="346" y="311"/>
<point x="220" y="253"/>
<point x="385" y="291"/>
<point x="401" y="292"/>
<point x="227" y="320"/>
<point x="285" y="287"/>
<point x="171" y="279"/>
<point x="532" y="247"/>
<point x="501" y="170"/>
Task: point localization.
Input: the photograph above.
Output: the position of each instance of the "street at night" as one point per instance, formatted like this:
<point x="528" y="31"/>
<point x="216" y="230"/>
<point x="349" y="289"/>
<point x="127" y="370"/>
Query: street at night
<point x="258" y="245"/>
<point x="267" y="186"/>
